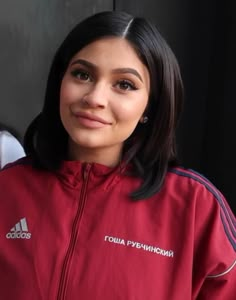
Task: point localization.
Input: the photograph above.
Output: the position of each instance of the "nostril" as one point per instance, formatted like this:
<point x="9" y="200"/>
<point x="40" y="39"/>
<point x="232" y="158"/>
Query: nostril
<point x="94" y="99"/>
<point x="84" y="100"/>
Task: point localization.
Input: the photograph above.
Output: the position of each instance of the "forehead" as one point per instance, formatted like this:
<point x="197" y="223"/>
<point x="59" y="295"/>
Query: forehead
<point x="114" y="49"/>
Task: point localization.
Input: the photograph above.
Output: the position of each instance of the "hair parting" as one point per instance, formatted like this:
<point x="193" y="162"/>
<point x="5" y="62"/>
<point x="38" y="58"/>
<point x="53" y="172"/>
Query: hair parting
<point x="127" y="28"/>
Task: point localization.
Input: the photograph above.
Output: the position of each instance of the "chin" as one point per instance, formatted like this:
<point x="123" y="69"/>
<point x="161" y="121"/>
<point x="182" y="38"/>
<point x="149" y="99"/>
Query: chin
<point x="86" y="142"/>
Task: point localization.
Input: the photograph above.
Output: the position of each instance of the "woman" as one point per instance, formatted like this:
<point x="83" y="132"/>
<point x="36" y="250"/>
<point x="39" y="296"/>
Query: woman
<point x="100" y="209"/>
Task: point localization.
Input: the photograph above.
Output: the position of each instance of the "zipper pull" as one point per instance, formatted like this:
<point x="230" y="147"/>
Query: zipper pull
<point x="86" y="170"/>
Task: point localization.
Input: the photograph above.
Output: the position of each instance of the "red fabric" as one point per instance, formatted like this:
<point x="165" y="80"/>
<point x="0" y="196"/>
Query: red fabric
<point x="90" y="241"/>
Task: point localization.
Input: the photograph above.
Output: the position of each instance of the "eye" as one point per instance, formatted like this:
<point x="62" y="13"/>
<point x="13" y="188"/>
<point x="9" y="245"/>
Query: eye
<point x="126" y="85"/>
<point x="81" y="75"/>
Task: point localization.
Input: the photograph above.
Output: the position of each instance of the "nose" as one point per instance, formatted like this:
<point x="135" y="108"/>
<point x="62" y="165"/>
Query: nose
<point x="97" y="96"/>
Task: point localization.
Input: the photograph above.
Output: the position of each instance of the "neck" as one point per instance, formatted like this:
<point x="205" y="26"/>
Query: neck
<point x="109" y="156"/>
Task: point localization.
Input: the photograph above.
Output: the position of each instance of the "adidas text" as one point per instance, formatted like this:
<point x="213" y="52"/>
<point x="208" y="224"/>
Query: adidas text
<point x="18" y="235"/>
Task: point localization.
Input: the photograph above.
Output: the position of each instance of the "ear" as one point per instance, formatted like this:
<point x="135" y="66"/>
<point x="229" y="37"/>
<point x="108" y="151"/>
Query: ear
<point x="143" y="120"/>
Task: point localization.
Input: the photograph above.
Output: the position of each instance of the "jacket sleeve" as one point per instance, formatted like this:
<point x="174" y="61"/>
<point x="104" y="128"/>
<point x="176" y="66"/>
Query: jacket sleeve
<point x="221" y="286"/>
<point x="214" y="269"/>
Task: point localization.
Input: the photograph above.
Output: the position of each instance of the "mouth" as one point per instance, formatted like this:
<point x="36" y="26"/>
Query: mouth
<point x="90" y="120"/>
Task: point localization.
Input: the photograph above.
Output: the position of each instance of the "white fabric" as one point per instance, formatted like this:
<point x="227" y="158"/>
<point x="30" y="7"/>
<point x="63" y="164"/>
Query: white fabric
<point x="10" y="148"/>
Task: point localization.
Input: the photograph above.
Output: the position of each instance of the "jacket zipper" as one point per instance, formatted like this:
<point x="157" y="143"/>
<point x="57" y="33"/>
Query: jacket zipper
<point x="66" y="265"/>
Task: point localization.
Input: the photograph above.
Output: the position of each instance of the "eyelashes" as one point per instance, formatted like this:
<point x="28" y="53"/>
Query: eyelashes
<point x="126" y="85"/>
<point x="121" y="84"/>
<point x="81" y="75"/>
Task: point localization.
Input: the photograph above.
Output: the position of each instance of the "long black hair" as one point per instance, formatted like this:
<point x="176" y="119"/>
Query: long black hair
<point x="151" y="148"/>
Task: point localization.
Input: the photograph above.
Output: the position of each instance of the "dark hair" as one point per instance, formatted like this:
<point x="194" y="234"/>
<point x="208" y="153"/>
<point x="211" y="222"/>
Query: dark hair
<point x="151" y="148"/>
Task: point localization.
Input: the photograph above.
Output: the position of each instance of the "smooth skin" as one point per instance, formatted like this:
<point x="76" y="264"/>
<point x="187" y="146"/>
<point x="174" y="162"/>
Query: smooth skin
<point x="103" y="96"/>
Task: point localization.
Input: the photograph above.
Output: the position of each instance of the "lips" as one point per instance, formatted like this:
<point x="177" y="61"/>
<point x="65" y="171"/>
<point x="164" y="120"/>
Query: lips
<point x="91" y="117"/>
<point x="91" y="121"/>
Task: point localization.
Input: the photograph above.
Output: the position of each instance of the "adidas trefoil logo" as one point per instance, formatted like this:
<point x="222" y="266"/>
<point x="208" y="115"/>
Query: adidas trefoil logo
<point x="19" y="231"/>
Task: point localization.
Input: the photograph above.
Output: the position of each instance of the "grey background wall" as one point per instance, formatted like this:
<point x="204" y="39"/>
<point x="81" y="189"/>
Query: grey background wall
<point x="202" y="35"/>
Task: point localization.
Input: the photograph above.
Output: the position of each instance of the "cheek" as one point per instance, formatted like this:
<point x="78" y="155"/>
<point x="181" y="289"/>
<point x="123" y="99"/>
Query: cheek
<point x="132" y="112"/>
<point x="70" y="91"/>
<point x="66" y="97"/>
<point x="66" y="93"/>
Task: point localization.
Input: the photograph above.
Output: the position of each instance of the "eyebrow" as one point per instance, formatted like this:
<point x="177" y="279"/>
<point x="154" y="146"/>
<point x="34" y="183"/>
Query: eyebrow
<point x="115" y="71"/>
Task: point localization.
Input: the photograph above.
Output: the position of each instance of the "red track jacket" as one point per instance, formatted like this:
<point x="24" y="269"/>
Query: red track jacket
<point x="75" y="234"/>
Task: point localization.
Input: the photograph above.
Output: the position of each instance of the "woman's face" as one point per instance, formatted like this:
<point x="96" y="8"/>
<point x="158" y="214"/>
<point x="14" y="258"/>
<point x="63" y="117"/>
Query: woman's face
<point x="104" y="93"/>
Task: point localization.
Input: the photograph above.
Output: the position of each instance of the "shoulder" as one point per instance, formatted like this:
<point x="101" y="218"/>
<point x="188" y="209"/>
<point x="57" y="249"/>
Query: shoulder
<point x="211" y="209"/>
<point x="22" y="178"/>
<point x="214" y="223"/>
<point x="19" y="163"/>
<point x="193" y="186"/>
<point x="23" y="173"/>
<point x="19" y="169"/>
<point x="194" y="181"/>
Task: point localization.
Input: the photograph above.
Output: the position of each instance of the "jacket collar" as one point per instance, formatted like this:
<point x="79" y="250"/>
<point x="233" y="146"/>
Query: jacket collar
<point x="74" y="173"/>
